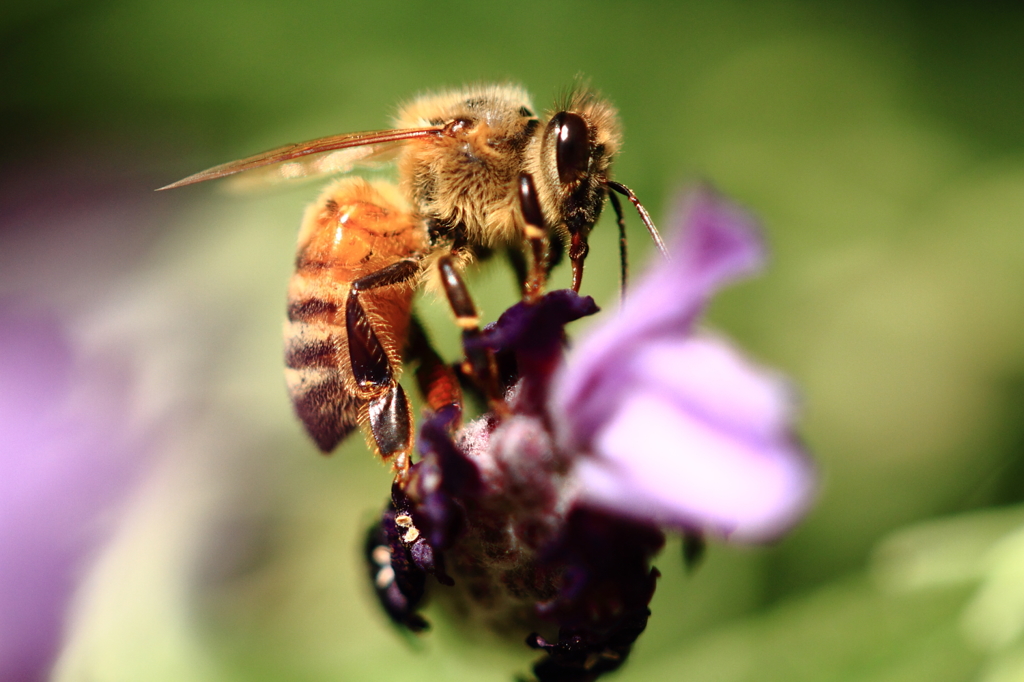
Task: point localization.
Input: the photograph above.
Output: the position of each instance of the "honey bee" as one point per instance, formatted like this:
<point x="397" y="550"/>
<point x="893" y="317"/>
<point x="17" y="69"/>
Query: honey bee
<point x="478" y="171"/>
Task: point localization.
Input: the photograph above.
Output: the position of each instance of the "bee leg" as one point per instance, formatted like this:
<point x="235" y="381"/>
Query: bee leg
<point x="534" y="229"/>
<point x="437" y="381"/>
<point x="480" y="363"/>
<point x="517" y="260"/>
<point x="694" y="548"/>
<point x="392" y="429"/>
<point x="396" y="273"/>
<point x="389" y="417"/>
<point x="623" y="254"/>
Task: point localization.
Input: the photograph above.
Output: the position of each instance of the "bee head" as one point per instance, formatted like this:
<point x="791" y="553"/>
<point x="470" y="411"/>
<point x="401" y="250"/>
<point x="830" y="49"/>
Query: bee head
<point x="576" y="151"/>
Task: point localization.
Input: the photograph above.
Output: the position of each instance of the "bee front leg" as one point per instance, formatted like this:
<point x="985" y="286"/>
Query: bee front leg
<point x="535" y="231"/>
<point x="390" y="419"/>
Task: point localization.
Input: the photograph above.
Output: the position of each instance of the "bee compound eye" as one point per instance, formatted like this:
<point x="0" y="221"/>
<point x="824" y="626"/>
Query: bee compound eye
<point x="572" y="146"/>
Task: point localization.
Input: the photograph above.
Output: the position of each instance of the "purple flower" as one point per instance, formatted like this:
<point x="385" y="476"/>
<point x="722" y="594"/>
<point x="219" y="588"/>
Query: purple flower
<point x="544" y="516"/>
<point x="63" y="465"/>
<point x="674" y="426"/>
<point x="69" y="448"/>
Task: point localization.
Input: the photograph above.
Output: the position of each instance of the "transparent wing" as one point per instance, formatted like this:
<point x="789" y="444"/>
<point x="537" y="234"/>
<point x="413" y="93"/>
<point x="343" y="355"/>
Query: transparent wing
<point x="335" y="154"/>
<point x="312" y="166"/>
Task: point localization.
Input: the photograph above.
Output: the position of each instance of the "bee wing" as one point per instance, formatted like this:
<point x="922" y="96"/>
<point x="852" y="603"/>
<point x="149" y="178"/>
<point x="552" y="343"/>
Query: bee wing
<point x="312" y="166"/>
<point x="334" y="154"/>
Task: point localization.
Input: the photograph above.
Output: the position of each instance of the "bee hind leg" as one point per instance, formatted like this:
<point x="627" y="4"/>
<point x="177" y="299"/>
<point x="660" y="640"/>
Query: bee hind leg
<point x="391" y="426"/>
<point x="390" y="419"/>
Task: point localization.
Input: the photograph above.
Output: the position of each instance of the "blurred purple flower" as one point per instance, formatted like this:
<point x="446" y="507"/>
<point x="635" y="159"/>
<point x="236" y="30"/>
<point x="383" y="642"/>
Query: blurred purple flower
<point x="68" y="233"/>
<point x="673" y="426"/>
<point x="61" y="467"/>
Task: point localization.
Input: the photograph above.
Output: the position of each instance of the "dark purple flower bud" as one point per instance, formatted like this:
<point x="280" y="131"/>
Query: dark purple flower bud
<point x="398" y="582"/>
<point x="534" y="335"/>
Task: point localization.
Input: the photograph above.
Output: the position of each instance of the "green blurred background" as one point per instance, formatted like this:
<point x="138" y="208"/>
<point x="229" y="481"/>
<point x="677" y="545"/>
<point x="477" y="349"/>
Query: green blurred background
<point x="882" y="145"/>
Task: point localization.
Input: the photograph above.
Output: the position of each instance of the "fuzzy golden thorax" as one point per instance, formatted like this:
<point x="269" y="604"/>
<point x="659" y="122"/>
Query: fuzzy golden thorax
<point x="464" y="185"/>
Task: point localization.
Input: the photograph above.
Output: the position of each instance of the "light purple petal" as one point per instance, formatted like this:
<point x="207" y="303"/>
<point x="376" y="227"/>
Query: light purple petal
<point x="674" y="468"/>
<point x="676" y="428"/>
<point x="711" y="242"/>
<point x="707" y="377"/>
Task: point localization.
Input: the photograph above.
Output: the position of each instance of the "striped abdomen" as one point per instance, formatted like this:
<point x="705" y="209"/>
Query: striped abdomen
<point x="354" y="231"/>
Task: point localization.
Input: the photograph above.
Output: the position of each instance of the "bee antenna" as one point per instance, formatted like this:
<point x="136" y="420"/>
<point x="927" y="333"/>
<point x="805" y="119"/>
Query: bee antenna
<point x="644" y="215"/>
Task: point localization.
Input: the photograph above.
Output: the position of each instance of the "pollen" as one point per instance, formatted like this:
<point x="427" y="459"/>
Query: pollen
<point x="385" y="577"/>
